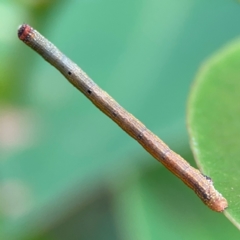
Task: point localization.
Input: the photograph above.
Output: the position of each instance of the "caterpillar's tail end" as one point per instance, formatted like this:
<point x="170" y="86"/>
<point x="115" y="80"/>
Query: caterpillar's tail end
<point x="219" y="204"/>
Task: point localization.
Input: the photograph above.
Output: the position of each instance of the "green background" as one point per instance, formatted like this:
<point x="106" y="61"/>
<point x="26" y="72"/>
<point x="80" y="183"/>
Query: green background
<point x="67" y="171"/>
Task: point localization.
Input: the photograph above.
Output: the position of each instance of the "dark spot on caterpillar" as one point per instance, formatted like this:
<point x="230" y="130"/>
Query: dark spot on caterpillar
<point x="69" y="73"/>
<point x="164" y="154"/>
<point x="208" y="178"/>
<point x="114" y="114"/>
<point x="140" y="135"/>
<point x="89" y="91"/>
<point x="201" y="192"/>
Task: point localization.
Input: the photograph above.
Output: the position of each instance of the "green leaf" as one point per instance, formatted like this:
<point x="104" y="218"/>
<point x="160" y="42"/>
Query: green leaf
<point x="214" y="124"/>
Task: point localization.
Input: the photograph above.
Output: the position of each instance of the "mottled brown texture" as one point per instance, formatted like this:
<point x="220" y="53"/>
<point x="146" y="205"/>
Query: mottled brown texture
<point x="193" y="178"/>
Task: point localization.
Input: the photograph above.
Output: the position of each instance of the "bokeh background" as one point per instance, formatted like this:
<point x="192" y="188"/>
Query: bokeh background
<point x="66" y="170"/>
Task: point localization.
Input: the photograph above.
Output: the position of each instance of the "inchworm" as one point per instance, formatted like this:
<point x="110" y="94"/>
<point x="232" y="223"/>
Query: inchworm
<point x="193" y="178"/>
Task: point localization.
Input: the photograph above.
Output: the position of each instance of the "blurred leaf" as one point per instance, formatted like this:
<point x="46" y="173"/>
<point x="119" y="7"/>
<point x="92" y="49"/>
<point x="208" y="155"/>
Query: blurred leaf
<point x="56" y="148"/>
<point x="72" y="147"/>
<point x="214" y="124"/>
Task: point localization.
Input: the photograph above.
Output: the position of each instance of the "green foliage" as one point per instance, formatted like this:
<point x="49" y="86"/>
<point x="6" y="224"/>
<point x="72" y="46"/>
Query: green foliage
<point x="67" y="171"/>
<point x="213" y="117"/>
